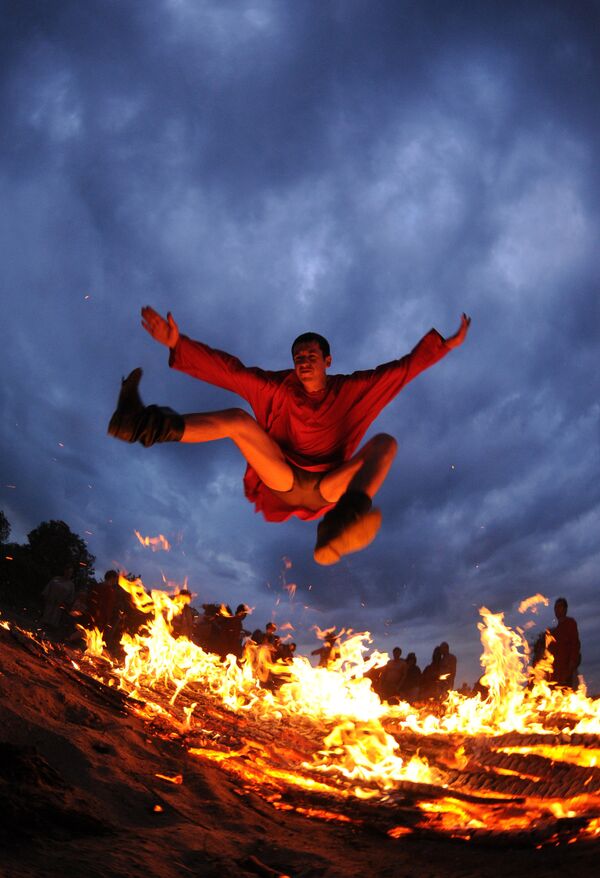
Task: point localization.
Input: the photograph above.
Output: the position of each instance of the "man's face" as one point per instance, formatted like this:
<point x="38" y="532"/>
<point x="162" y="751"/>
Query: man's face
<point x="310" y="365"/>
<point x="560" y="611"/>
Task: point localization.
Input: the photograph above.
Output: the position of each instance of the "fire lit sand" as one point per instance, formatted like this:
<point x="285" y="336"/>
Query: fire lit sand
<point x="520" y="766"/>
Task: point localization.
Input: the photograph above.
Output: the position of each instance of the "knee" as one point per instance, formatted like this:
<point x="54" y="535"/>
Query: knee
<point x="385" y="445"/>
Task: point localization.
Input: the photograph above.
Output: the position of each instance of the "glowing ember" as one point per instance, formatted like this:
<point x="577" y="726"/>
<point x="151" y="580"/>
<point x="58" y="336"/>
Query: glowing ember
<point x="177" y="779"/>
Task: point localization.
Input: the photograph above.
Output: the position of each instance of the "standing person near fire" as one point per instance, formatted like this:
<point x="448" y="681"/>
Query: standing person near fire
<point x="447" y="669"/>
<point x="393" y="676"/>
<point x="58" y="595"/>
<point x="329" y="652"/>
<point x="430" y="678"/>
<point x="103" y="601"/>
<point x="300" y="446"/>
<point x="565" y="647"/>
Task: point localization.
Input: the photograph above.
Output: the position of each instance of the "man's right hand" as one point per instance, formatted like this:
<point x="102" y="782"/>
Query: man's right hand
<point x="163" y="331"/>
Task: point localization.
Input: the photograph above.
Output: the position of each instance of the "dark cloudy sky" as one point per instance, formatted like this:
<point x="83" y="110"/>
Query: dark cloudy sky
<point x="365" y="170"/>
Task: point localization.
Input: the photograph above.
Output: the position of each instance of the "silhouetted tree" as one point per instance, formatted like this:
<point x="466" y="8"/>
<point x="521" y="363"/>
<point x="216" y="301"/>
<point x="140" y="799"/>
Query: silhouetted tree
<point x="53" y="545"/>
<point x="4" y="527"/>
<point x="21" y="578"/>
<point x="25" y="570"/>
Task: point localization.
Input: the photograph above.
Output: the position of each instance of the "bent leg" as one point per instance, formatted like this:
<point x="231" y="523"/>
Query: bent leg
<point x="365" y="472"/>
<point x="259" y="450"/>
<point x="352" y="524"/>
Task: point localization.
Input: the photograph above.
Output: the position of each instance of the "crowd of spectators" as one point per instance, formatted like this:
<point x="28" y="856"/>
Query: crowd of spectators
<point x="403" y="680"/>
<point x="218" y="629"/>
<point x="112" y="610"/>
<point x="103" y="605"/>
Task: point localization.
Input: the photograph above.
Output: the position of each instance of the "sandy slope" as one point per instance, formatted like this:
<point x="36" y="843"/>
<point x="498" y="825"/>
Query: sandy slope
<point x="79" y="792"/>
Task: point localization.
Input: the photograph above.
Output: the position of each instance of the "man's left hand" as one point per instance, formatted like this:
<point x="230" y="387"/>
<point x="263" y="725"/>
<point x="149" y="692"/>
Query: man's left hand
<point x="457" y="339"/>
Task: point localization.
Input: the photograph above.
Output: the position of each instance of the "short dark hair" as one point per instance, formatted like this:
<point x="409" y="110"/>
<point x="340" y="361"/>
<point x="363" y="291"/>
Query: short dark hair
<point x="313" y="336"/>
<point x="562" y="601"/>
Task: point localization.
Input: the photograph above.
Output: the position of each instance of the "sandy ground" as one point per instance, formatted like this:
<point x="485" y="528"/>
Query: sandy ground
<point x="79" y="796"/>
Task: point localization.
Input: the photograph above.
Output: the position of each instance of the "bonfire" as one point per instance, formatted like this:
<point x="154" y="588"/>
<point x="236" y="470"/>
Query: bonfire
<point x="520" y="764"/>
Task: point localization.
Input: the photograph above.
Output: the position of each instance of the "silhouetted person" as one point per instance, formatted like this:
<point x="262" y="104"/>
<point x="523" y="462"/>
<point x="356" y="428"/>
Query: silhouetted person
<point x="287" y="652"/>
<point x="481" y="689"/>
<point x="374" y="675"/>
<point x="328" y="652"/>
<point x="58" y="596"/>
<point x="539" y="648"/>
<point x="430" y="678"/>
<point x="182" y="624"/>
<point x="103" y="602"/>
<point x="131" y="617"/>
<point x="258" y="636"/>
<point x="410" y="689"/>
<point x="393" y="676"/>
<point x="207" y="630"/>
<point x="565" y="648"/>
<point x="233" y="632"/>
<point x="270" y="635"/>
<point x="241" y="612"/>
<point x="447" y="672"/>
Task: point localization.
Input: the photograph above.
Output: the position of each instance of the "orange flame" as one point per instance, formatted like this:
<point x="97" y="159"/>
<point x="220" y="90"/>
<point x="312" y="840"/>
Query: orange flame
<point x="155" y="543"/>
<point x="533" y="603"/>
<point x="358" y="756"/>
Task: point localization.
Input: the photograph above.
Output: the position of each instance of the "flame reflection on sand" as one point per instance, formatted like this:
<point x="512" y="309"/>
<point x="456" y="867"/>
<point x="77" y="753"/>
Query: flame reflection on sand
<point x="453" y="764"/>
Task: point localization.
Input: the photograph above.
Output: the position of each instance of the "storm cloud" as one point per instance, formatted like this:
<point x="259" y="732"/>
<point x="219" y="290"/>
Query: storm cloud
<point x="363" y="170"/>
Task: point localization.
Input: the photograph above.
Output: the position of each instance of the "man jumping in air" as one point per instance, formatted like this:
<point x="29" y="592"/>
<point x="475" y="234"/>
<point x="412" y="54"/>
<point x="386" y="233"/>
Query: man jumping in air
<point x="300" y="446"/>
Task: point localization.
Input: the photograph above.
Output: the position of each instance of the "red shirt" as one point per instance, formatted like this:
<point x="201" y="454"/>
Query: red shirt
<point x="316" y="431"/>
<point x="566" y="651"/>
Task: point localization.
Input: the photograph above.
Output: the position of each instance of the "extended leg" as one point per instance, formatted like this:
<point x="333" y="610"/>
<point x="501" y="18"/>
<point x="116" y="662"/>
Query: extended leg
<point x="132" y="421"/>
<point x="352" y="524"/>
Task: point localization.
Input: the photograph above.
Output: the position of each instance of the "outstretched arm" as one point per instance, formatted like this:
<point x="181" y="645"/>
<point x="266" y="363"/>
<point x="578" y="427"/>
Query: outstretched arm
<point x="203" y="362"/>
<point x="163" y="331"/>
<point x="457" y="339"/>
